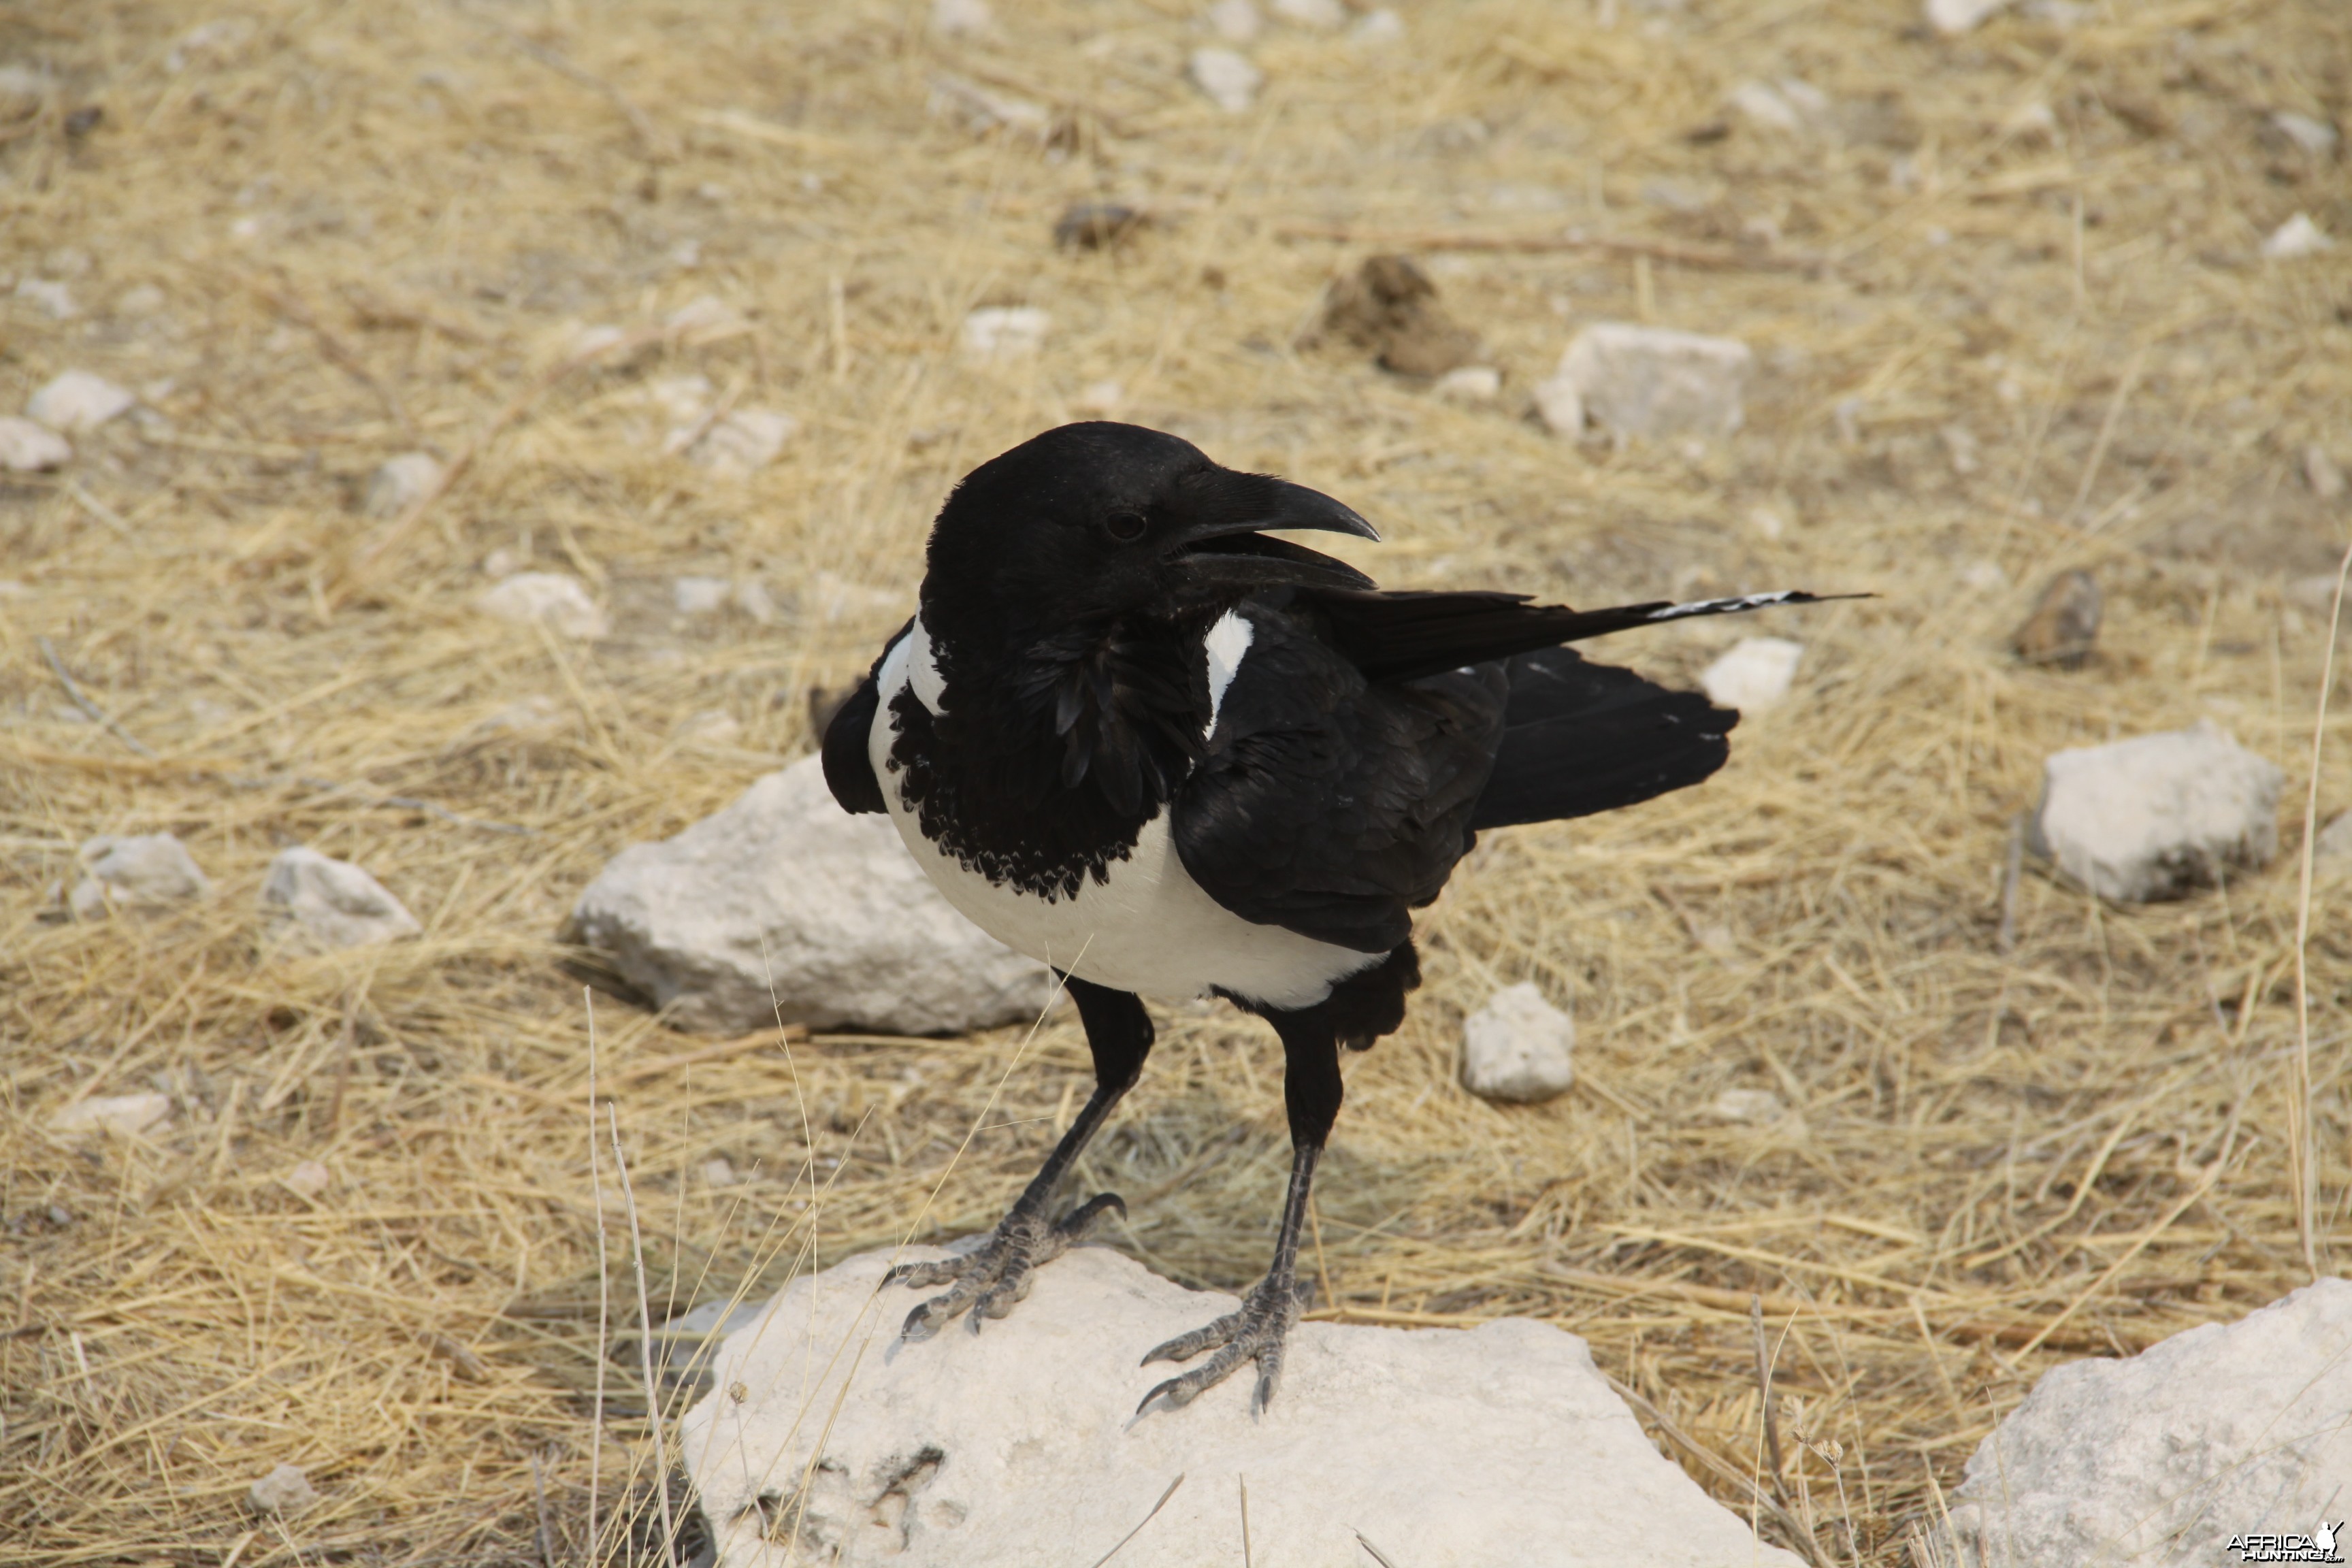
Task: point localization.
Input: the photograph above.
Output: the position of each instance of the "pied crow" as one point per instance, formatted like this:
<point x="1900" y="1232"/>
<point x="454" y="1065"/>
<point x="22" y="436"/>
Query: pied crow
<point x="1133" y="735"/>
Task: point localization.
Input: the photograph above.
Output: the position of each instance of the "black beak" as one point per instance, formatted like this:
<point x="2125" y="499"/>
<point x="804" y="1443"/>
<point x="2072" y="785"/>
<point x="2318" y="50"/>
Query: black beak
<point x="1252" y="503"/>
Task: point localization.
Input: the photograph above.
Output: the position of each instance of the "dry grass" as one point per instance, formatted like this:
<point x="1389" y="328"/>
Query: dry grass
<point x="376" y="228"/>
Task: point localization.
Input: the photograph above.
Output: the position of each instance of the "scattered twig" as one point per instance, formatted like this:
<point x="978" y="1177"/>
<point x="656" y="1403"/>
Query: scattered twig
<point x="81" y="700"/>
<point x="99" y="510"/>
<point x="2004" y="940"/>
<point x="1714" y="1461"/>
<point x="604" y="1286"/>
<point x="1147" y="1519"/>
<point x="462" y="1361"/>
<point x="538" y="1495"/>
<point x="646" y="1343"/>
<point x="2300" y="1164"/>
<point x="1243" y="1481"/>
<point x="1764" y="1387"/>
<point x="1379" y="1556"/>
<point x="1539" y="244"/>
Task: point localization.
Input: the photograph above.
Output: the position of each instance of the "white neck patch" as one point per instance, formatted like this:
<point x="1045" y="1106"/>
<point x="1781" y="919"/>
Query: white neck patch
<point x="908" y="664"/>
<point x="1225" y="645"/>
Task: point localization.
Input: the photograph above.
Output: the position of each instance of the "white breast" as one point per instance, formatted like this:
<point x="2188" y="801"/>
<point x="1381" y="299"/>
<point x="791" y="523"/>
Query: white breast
<point x="1149" y="929"/>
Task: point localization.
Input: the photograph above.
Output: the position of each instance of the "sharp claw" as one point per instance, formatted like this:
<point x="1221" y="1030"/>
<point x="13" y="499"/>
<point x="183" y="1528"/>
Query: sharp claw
<point x="918" y="1324"/>
<point x="1172" y="1388"/>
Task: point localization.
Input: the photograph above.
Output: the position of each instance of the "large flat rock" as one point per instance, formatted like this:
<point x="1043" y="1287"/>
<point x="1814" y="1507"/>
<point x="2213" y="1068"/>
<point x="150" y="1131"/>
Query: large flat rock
<point x="784" y="904"/>
<point x="2224" y="1430"/>
<point x="826" y="1440"/>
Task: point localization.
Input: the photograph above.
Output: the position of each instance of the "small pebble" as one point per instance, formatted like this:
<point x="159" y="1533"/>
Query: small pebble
<point x="1470" y="383"/>
<point x="704" y="318"/>
<point x="400" y="483"/>
<point x="76" y="402"/>
<point x="1236" y="21"/>
<point x="2315" y="137"/>
<point x="1755" y="674"/>
<point x="720" y="1172"/>
<point x="2320" y="472"/>
<point x="53" y="297"/>
<point x="139" y="871"/>
<point x="1953" y="16"/>
<point x="27" y="448"/>
<point x="1380" y="26"/>
<point x="1228" y="79"/>
<point x="1000" y="332"/>
<point x="555" y="597"/>
<point x="1755" y="1106"/>
<point x="698" y="595"/>
<point x="746" y="439"/>
<point x="128" y="1115"/>
<point x="320" y="903"/>
<point x="285" y="1490"/>
<point x="2298" y="236"/>
<point x="310" y="1178"/>
<point x="2064" y="624"/>
<point x="961" y="19"/>
<point x="1101" y="397"/>
<point x="1519" y="1048"/>
<point x="1324" y="16"/>
<point x="711" y="728"/>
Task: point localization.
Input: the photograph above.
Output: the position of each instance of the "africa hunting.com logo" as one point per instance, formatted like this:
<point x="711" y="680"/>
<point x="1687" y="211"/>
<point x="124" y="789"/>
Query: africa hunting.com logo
<point x="2320" y="1546"/>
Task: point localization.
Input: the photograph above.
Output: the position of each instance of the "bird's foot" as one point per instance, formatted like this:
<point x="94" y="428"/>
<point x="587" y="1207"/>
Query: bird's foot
<point x="1255" y="1333"/>
<point x="994" y="1277"/>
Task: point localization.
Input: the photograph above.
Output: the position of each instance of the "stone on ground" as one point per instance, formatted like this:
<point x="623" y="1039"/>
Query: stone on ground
<point x="1236" y="21"/>
<point x="743" y="440"/>
<point x="2298" y="236"/>
<point x="1648" y="382"/>
<point x="1226" y="78"/>
<point x="309" y="1178"/>
<point x="961" y="19"/>
<point x="399" y="483"/>
<point x="76" y="402"/>
<point x="998" y="332"/>
<point x="1753" y="673"/>
<point x="2334" y="846"/>
<point x="1519" y="1048"/>
<point x="139" y="871"/>
<point x="318" y="903"/>
<point x="557" y="598"/>
<point x="1019" y="1445"/>
<point x="2159" y="816"/>
<point x="1324" y="16"/>
<point x="126" y="1114"/>
<point x="784" y="902"/>
<point x="28" y="448"/>
<point x="285" y="1490"/>
<point x="1951" y="16"/>
<point x="2222" y="1430"/>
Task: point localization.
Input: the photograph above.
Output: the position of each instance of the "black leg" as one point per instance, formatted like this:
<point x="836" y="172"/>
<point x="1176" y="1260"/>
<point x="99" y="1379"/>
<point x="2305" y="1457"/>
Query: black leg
<point x="1358" y="1011"/>
<point x="991" y="1279"/>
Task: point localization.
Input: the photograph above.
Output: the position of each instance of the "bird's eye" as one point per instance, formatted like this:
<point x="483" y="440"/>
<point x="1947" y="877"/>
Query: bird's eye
<point x="1126" y="527"/>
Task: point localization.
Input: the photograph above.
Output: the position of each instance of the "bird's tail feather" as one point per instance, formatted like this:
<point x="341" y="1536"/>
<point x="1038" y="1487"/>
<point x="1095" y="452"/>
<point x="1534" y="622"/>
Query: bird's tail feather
<point x="1580" y="737"/>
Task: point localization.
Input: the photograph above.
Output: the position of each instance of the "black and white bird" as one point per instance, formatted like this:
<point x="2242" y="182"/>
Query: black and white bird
<point x="1134" y="736"/>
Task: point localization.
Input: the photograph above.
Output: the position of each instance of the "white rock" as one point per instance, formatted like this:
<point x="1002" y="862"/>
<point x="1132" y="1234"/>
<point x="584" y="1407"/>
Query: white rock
<point x="1763" y="104"/>
<point x="699" y="595"/>
<point x="2334" y="841"/>
<point x="126" y="1114"/>
<point x="50" y="296"/>
<point x="1019" y="1445"/>
<point x="24" y="89"/>
<point x="2298" y="236"/>
<point x="1561" y="405"/>
<point x="148" y="871"/>
<point x="706" y="317"/>
<point x="1377" y="27"/>
<point x="399" y="483"/>
<point x="752" y="597"/>
<point x="961" y="19"/>
<point x="1324" y="16"/>
<point x="2315" y="137"/>
<point x="1228" y="79"/>
<point x="682" y="398"/>
<point x="784" y="885"/>
<point x="595" y="341"/>
<point x="996" y="333"/>
<point x="1236" y="21"/>
<point x="1470" y="383"/>
<point x="29" y="448"/>
<point x="1754" y="673"/>
<point x="1753" y="1106"/>
<point x="745" y="440"/>
<point x="2222" y="1430"/>
<point x="77" y="401"/>
<point x="1767" y="523"/>
<point x="285" y="1490"/>
<point x="2155" y="816"/>
<point x="317" y="903"/>
<point x="1952" y="16"/>
<point x="310" y="1178"/>
<point x="719" y="1170"/>
<point x="834" y="598"/>
<point x="1101" y="397"/>
<point x="556" y="597"/>
<point x="1656" y="381"/>
<point x="1984" y="575"/>
<point x="1518" y="1046"/>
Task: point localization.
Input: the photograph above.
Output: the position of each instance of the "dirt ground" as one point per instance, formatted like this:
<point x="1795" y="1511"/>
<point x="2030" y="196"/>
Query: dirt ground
<point x="2012" y="315"/>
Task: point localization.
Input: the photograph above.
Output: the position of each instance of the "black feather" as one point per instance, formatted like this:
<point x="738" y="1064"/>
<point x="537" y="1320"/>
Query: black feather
<point x="848" y="770"/>
<point x="1580" y="737"/>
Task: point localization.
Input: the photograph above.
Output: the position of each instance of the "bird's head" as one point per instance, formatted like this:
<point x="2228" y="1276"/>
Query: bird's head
<point x="1100" y="518"/>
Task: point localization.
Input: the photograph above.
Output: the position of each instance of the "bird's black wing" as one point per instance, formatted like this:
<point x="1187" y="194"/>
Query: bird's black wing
<point x="1401" y="635"/>
<point x="1580" y="737"/>
<point x="848" y="767"/>
<point x="1326" y="804"/>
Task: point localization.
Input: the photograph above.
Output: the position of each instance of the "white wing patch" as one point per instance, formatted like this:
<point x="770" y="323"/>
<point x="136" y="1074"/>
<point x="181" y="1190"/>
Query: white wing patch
<point x="922" y="671"/>
<point x="1225" y="645"/>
